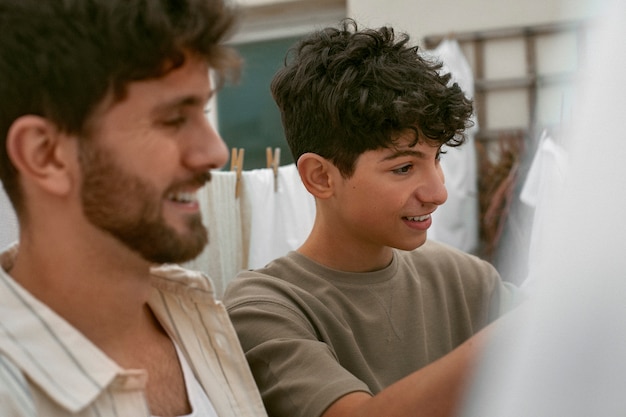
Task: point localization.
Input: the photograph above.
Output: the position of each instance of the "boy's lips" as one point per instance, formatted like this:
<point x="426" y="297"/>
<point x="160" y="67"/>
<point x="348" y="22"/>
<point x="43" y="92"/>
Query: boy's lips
<point x="421" y="223"/>
<point x="418" y="218"/>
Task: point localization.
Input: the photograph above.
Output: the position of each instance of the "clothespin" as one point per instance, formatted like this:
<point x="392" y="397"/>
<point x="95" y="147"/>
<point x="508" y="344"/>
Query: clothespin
<point x="273" y="161"/>
<point x="236" y="164"/>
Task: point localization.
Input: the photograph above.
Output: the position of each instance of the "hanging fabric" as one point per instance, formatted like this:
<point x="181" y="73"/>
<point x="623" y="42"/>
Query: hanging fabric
<point x="225" y="255"/>
<point x="457" y="221"/>
<point x="279" y="219"/>
<point x="545" y="178"/>
<point x="8" y="221"/>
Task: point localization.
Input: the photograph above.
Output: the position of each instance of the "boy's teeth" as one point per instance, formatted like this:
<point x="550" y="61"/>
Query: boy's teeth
<point x="418" y="218"/>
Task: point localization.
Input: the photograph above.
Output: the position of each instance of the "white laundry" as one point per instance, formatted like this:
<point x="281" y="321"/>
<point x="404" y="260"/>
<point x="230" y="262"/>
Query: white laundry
<point x="224" y="256"/>
<point x="565" y="356"/>
<point x="457" y="221"/>
<point x="279" y="221"/>
<point x="8" y="221"/>
<point x="544" y="179"/>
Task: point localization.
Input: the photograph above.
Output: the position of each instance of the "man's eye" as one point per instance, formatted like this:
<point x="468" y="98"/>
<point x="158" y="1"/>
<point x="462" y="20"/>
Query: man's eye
<point x="440" y="154"/>
<point x="175" y="121"/>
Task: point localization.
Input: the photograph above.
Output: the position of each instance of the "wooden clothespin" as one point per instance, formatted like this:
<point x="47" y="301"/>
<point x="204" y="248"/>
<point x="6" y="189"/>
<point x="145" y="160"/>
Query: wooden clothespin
<point x="273" y="161"/>
<point x="236" y="164"/>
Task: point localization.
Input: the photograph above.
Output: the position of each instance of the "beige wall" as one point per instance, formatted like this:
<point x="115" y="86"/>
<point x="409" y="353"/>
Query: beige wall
<point x="508" y="109"/>
<point x="505" y="109"/>
<point x="427" y="17"/>
<point x="267" y="19"/>
<point x="250" y="3"/>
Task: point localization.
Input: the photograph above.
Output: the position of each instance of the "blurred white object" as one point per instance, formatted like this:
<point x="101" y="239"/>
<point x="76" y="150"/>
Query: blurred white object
<point x="567" y="354"/>
<point x="544" y="178"/>
<point x="279" y="219"/>
<point x="457" y="221"/>
<point x="8" y="221"/>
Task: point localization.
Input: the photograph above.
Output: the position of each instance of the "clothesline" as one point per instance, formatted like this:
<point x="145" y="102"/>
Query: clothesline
<point x="260" y="223"/>
<point x="254" y="216"/>
<point x="237" y="161"/>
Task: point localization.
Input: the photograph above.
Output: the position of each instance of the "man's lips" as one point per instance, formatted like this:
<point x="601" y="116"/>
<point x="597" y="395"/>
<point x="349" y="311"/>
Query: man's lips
<point x="187" y="193"/>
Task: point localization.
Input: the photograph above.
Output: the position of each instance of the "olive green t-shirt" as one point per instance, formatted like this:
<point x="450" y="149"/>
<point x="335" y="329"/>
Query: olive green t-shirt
<point x="313" y="334"/>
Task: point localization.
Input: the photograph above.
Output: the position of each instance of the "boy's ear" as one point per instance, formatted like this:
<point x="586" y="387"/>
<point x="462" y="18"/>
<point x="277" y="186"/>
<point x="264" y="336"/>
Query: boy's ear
<point x="316" y="173"/>
<point x="40" y="153"/>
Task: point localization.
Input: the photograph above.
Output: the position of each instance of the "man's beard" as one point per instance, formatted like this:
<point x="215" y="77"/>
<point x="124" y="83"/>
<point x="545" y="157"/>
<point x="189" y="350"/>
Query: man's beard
<point x="130" y="209"/>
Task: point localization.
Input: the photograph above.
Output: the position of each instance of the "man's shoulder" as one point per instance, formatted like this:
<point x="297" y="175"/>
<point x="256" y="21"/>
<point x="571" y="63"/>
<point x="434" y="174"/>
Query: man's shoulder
<point x="15" y="390"/>
<point x="175" y="278"/>
<point x="11" y="376"/>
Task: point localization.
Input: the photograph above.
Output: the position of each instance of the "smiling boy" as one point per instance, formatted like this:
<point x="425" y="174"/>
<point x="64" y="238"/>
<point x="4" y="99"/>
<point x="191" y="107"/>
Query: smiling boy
<point x="105" y="143"/>
<point x="367" y="317"/>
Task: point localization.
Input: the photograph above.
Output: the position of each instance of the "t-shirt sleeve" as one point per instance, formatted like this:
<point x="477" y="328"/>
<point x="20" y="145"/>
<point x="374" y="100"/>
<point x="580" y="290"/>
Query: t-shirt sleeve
<point x="485" y="295"/>
<point x="297" y="374"/>
<point x="507" y="297"/>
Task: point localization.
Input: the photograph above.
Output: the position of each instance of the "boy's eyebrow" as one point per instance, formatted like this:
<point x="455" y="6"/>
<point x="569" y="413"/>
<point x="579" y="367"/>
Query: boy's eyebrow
<point x="404" y="152"/>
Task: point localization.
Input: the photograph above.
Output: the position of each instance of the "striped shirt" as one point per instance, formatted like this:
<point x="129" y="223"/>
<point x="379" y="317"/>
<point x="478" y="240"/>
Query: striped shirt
<point x="48" y="368"/>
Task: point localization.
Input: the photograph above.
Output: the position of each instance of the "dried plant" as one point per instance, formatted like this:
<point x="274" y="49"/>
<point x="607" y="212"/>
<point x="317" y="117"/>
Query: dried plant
<point x="498" y="166"/>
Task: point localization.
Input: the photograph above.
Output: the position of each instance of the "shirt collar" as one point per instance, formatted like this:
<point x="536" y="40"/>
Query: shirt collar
<point x="46" y="348"/>
<point x="61" y="360"/>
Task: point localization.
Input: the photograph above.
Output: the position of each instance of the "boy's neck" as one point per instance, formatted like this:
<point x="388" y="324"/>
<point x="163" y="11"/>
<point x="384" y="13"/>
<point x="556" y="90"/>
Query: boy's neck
<point x="346" y="258"/>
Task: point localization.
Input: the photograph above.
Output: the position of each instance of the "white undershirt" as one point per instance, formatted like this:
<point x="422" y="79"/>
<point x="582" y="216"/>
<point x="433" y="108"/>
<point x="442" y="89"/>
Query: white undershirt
<point x="201" y="405"/>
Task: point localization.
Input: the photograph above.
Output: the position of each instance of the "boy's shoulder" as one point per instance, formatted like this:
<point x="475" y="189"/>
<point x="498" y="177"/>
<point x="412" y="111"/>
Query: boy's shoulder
<point x="440" y="263"/>
<point x="295" y="272"/>
<point x="441" y="254"/>
<point x="274" y="277"/>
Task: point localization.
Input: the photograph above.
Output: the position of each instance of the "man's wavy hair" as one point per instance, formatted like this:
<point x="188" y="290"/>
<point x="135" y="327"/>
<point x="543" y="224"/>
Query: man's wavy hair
<point x="60" y="58"/>
<point x="344" y="91"/>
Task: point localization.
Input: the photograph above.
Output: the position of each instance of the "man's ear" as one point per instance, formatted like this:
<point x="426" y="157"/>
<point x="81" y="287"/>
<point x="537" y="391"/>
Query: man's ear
<point x="317" y="174"/>
<point x="40" y="153"/>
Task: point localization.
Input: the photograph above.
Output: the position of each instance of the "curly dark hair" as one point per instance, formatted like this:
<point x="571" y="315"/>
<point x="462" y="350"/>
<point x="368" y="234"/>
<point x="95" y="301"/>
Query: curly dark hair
<point x="60" y="58"/>
<point x="344" y="91"/>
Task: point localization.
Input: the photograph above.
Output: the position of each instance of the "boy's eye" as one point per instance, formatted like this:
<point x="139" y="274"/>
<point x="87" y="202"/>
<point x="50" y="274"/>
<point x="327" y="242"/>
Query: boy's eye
<point x="440" y="154"/>
<point x="403" y="169"/>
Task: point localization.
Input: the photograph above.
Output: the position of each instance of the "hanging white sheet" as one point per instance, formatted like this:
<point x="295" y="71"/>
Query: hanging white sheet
<point x="456" y="222"/>
<point x="225" y="254"/>
<point x="544" y="179"/>
<point x="565" y="356"/>
<point x="8" y="221"/>
<point x="279" y="220"/>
